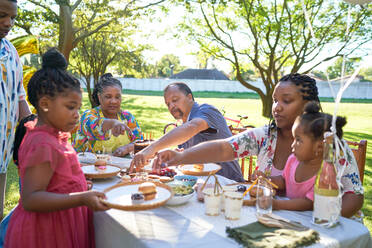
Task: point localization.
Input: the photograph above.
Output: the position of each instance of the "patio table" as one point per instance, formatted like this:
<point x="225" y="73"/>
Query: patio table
<point x="187" y="226"/>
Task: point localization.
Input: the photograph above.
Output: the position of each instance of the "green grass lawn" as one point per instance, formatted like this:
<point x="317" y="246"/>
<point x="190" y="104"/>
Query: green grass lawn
<point x="152" y="115"/>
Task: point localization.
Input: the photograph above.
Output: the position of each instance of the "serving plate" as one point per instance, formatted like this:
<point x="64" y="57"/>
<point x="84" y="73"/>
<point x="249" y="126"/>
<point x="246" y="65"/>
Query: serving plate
<point x="188" y="169"/>
<point x="90" y="171"/>
<point x="119" y="196"/>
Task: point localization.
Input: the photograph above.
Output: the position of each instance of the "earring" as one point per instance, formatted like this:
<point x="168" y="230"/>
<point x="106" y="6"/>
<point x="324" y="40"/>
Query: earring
<point x="45" y="110"/>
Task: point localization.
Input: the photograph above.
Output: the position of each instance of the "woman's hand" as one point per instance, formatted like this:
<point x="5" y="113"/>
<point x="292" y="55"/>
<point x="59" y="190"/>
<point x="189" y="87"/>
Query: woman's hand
<point x="119" y="128"/>
<point x="91" y="199"/>
<point x="123" y="150"/>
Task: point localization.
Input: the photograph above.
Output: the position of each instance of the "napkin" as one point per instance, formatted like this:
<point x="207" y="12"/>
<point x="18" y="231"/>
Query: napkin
<point x="259" y="235"/>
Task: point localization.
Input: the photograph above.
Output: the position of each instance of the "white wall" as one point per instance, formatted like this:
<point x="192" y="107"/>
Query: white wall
<point x="357" y="90"/>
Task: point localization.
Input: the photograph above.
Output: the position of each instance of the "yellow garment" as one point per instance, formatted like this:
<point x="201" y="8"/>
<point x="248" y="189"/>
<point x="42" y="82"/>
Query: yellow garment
<point x="110" y="145"/>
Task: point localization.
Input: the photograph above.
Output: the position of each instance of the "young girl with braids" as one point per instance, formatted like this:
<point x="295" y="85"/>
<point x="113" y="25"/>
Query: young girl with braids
<point x="55" y="208"/>
<point x="97" y="124"/>
<point x="272" y="143"/>
<point x="303" y="164"/>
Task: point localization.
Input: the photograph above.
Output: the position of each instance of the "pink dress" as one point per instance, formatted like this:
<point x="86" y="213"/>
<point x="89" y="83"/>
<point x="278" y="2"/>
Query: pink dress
<point x="294" y="189"/>
<point x="65" y="228"/>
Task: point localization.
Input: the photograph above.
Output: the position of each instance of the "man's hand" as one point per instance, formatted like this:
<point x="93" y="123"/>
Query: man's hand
<point x="166" y="158"/>
<point x="140" y="159"/>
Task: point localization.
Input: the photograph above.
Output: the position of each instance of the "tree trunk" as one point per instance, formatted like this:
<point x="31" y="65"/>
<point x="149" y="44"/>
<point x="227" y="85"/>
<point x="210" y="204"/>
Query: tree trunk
<point x="267" y="102"/>
<point x="66" y="31"/>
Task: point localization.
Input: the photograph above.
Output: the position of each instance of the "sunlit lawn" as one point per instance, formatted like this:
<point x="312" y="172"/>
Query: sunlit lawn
<point x="152" y="115"/>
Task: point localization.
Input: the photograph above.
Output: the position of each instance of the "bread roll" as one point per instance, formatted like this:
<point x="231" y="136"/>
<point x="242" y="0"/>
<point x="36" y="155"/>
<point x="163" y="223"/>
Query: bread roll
<point x="199" y="167"/>
<point x="148" y="190"/>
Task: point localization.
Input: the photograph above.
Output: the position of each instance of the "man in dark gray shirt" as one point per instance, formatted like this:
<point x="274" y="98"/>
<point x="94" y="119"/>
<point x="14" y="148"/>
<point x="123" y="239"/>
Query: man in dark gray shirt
<point x="200" y="123"/>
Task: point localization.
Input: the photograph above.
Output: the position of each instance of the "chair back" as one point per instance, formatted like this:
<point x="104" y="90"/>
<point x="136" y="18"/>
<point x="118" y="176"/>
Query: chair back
<point x="360" y="150"/>
<point x="169" y="127"/>
<point x="234" y="131"/>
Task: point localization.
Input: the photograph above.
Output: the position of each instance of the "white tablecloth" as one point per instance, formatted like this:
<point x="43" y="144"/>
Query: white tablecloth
<point x="188" y="226"/>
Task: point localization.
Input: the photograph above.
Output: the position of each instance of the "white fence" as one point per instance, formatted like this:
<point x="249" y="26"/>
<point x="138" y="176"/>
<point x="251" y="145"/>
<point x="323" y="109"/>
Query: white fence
<point x="357" y="90"/>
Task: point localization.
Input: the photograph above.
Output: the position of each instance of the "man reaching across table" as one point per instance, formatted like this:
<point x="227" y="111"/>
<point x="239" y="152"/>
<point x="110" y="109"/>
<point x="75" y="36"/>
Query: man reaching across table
<point x="200" y="123"/>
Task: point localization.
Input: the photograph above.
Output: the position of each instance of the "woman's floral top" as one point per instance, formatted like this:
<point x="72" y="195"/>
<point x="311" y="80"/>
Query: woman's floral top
<point x="90" y="129"/>
<point x="262" y="143"/>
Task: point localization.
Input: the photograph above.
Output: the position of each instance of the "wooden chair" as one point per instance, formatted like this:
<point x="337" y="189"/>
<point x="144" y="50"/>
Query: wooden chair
<point x="359" y="149"/>
<point x="234" y="131"/>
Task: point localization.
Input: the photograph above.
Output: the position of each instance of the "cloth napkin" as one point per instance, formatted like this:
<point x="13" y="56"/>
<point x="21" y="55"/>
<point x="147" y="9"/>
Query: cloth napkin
<point x="259" y="235"/>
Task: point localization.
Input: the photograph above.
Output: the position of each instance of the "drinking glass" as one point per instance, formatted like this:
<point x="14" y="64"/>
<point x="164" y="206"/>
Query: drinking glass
<point x="264" y="198"/>
<point x="212" y="202"/>
<point x="233" y="205"/>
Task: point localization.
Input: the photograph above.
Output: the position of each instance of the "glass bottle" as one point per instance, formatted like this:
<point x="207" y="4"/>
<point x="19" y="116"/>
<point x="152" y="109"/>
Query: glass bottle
<point x="327" y="198"/>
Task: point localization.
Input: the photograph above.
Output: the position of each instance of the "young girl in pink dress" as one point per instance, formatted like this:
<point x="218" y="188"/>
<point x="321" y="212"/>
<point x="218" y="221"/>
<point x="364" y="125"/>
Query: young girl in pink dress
<point x="302" y="166"/>
<point x="55" y="208"/>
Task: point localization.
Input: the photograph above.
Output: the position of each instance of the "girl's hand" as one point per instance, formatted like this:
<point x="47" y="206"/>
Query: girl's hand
<point x="91" y="199"/>
<point x="256" y="174"/>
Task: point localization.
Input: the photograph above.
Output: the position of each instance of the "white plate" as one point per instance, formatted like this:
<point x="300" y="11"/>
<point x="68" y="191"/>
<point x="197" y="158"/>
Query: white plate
<point x="123" y="163"/>
<point x="178" y="200"/>
<point x="188" y="169"/>
<point x="90" y="171"/>
<point x="120" y="197"/>
<point x="87" y="157"/>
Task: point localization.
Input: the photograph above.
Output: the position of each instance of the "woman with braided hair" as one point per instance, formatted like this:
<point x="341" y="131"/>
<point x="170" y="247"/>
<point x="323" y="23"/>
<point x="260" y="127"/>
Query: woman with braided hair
<point x="97" y="124"/>
<point x="272" y="143"/>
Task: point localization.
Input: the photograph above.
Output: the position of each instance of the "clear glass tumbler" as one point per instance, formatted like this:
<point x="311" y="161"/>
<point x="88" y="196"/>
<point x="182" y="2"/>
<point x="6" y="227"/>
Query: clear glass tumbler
<point x="264" y="198"/>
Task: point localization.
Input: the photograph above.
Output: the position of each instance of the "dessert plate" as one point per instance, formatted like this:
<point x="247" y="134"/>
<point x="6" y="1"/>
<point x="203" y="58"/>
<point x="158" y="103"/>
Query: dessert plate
<point x="188" y="169"/>
<point x="119" y="196"/>
<point x="90" y="171"/>
<point x="123" y="163"/>
<point x="87" y="157"/>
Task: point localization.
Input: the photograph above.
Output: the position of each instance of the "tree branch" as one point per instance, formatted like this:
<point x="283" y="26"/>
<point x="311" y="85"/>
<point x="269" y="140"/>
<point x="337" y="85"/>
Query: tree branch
<point x="37" y="3"/>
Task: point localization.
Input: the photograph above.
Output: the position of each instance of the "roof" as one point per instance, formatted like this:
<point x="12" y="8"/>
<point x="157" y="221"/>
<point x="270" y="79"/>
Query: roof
<point x="212" y="74"/>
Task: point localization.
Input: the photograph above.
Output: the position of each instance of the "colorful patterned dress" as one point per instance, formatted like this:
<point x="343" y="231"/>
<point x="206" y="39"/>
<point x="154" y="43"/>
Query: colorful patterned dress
<point x="262" y="143"/>
<point x="71" y="227"/>
<point x="90" y="131"/>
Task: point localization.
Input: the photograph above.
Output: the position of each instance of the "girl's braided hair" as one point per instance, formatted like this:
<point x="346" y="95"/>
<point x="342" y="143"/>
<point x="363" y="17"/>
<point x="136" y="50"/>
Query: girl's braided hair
<point x="316" y="122"/>
<point x="52" y="79"/>
<point x="106" y="80"/>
